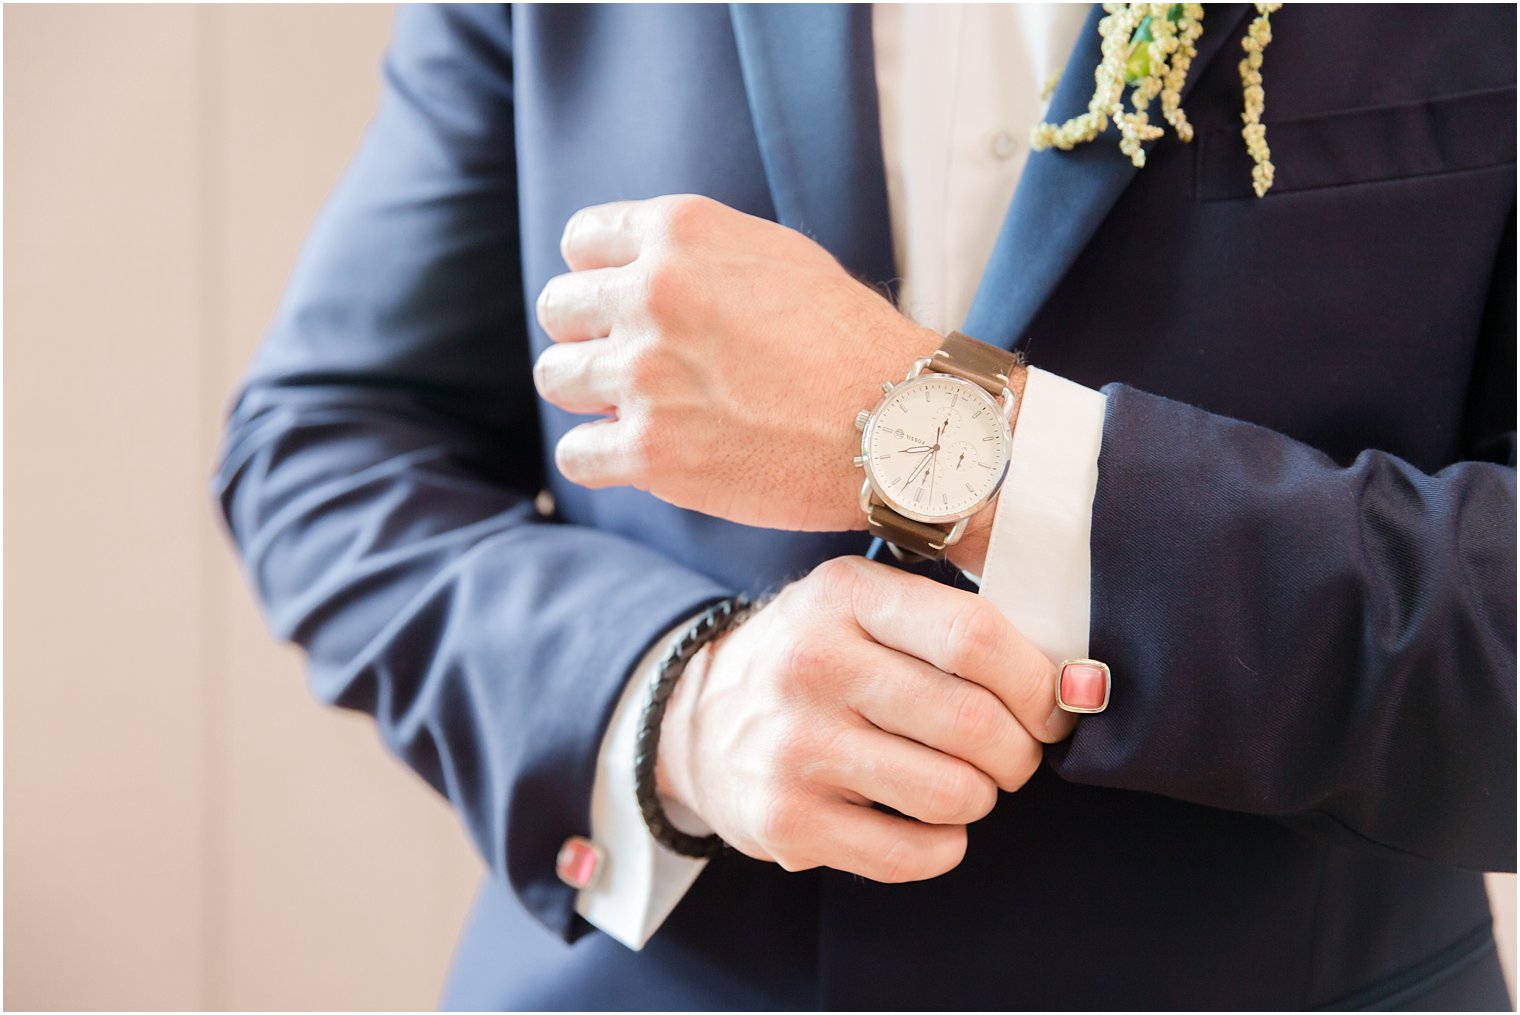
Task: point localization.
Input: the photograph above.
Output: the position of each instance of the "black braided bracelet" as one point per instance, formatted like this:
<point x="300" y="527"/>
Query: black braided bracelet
<point x="720" y="617"/>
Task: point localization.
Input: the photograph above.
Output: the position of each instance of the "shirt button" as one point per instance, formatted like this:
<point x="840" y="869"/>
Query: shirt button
<point x="579" y="862"/>
<point x="1004" y="145"/>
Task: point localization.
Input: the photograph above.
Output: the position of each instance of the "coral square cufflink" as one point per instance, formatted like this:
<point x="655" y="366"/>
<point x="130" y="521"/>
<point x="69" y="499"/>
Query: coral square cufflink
<point x="1082" y="685"/>
<point x="579" y="862"/>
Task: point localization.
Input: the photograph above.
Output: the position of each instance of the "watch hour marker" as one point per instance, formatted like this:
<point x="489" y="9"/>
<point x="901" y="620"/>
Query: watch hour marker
<point x="989" y="438"/>
<point x="970" y="488"/>
<point x="978" y="413"/>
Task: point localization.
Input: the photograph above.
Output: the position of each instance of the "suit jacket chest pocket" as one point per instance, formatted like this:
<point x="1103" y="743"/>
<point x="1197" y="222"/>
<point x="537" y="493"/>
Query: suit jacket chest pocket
<point x="1451" y="134"/>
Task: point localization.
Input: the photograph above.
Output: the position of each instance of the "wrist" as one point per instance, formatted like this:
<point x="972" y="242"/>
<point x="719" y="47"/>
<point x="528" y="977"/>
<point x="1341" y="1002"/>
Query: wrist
<point x="970" y="553"/>
<point x="670" y="767"/>
<point x="651" y="755"/>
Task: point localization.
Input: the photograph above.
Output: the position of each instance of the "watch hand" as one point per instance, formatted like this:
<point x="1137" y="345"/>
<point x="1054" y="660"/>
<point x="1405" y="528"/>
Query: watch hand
<point x="914" y="474"/>
<point x="921" y="463"/>
<point x="920" y="449"/>
<point x="960" y="461"/>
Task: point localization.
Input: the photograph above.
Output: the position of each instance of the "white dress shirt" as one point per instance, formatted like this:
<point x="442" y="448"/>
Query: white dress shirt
<point x="959" y="87"/>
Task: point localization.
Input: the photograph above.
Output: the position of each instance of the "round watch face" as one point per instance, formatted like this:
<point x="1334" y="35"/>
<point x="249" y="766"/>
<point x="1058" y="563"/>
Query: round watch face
<point x="936" y="448"/>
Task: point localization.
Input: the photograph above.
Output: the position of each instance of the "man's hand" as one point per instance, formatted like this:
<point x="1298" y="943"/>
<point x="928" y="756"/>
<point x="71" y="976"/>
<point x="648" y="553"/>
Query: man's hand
<point x="731" y="355"/>
<point x="859" y="684"/>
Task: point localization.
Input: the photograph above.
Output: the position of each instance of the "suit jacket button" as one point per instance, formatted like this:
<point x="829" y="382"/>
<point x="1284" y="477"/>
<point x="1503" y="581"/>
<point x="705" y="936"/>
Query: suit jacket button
<point x="579" y="862"/>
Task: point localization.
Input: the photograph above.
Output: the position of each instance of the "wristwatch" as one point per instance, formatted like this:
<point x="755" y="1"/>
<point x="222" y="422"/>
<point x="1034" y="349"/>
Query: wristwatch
<point x="935" y="449"/>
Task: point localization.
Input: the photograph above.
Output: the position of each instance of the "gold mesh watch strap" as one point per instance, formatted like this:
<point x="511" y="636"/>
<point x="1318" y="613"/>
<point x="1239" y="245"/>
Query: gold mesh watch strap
<point x="982" y="364"/>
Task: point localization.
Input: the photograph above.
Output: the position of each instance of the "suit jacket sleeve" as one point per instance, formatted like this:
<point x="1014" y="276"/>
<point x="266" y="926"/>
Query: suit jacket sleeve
<point x="1329" y="644"/>
<point x="380" y="465"/>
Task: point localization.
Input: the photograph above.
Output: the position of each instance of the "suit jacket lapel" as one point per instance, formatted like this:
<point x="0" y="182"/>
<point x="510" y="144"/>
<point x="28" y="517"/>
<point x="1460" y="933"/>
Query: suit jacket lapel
<point x="1062" y="197"/>
<point x="810" y="72"/>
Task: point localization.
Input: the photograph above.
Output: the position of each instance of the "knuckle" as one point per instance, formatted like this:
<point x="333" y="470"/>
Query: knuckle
<point x="972" y="637"/>
<point x="805" y="659"/>
<point x="664" y="289"/>
<point x="834" y="581"/>
<point x="789" y="752"/>
<point x="1033" y="691"/>
<point x="686" y="216"/>
<point x="1036" y="688"/>
<point x="961" y="795"/>
<point x="794" y="605"/>
<point x="975" y="724"/>
<point x="782" y="820"/>
<point x="899" y="863"/>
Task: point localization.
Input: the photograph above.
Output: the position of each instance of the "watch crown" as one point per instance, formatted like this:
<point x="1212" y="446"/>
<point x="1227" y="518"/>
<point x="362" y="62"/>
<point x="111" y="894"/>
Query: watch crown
<point x="862" y="418"/>
<point x="886" y="387"/>
<point x="860" y="461"/>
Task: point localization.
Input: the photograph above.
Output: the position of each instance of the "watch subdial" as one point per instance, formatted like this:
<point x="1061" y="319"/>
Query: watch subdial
<point x="951" y="427"/>
<point x="962" y="456"/>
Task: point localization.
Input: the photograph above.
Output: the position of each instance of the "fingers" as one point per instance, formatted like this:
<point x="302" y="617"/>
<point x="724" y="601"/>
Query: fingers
<point x="605" y="235"/>
<point x="859" y="840"/>
<point x="963" y="634"/>
<point x="599" y="454"/>
<point x="614" y="234"/>
<point x="910" y="698"/>
<point x="579" y="377"/>
<point x="582" y="304"/>
<point x="910" y="778"/>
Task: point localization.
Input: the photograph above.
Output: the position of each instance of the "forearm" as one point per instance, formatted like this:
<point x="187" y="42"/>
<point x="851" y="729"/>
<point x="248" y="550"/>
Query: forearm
<point x="428" y="593"/>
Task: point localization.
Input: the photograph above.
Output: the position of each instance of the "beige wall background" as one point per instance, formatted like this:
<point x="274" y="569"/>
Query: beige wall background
<point x="184" y="828"/>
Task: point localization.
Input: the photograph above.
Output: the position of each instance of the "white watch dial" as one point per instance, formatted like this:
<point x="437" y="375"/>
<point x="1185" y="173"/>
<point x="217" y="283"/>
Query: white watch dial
<point x="936" y="448"/>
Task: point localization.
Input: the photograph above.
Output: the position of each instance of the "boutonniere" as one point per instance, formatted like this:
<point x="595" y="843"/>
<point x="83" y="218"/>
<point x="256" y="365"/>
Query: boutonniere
<point x="1149" y="48"/>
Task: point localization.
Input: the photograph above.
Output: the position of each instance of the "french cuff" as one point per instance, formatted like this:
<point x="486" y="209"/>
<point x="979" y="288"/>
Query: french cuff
<point x="641" y="881"/>
<point x="1039" y="558"/>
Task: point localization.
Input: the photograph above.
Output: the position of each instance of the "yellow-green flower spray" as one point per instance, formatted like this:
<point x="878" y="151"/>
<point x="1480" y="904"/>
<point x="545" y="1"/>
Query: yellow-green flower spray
<point x="1149" y="48"/>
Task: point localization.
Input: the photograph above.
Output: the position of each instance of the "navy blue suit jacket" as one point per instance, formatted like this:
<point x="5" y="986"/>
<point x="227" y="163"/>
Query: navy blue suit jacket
<point x="1303" y="541"/>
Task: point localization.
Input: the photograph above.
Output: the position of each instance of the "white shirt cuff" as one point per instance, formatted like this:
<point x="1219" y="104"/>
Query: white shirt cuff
<point x="641" y="881"/>
<point x="1039" y="559"/>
